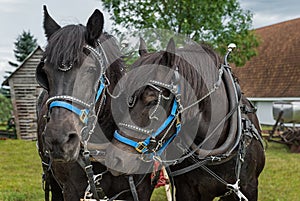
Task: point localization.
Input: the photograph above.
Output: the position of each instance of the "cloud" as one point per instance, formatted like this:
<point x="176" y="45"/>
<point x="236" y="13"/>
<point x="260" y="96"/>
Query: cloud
<point x="10" y="6"/>
<point x="267" y="13"/>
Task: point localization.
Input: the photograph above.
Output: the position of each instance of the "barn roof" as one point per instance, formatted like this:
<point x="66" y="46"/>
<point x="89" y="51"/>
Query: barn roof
<point x="5" y="82"/>
<point x="275" y="71"/>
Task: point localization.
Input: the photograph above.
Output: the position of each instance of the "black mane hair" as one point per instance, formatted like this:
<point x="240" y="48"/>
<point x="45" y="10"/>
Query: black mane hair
<point x="64" y="45"/>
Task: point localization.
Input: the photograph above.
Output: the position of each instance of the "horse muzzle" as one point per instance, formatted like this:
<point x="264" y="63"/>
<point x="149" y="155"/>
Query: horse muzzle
<point x="62" y="147"/>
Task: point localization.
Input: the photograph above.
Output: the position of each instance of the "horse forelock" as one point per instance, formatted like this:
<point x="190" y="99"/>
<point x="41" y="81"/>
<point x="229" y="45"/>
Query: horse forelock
<point x="197" y="65"/>
<point x="65" y="45"/>
<point x="193" y="62"/>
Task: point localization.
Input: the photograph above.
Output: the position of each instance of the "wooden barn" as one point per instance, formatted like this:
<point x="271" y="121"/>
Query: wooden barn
<point x="274" y="74"/>
<point x="24" y="92"/>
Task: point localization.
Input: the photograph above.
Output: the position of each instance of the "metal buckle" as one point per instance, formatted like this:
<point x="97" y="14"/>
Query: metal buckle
<point x="83" y="116"/>
<point x="141" y="146"/>
<point x="177" y="121"/>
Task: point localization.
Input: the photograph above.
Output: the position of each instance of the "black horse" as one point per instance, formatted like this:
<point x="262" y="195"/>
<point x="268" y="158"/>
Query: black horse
<point x="80" y="66"/>
<point x="184" y="109"/>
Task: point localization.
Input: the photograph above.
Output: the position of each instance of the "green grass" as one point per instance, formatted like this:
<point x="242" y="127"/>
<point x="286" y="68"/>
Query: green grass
<point x="20" y="174"/>
<point x="280" y="179"/>
<point x="20" y="171"/>
<point x="3" y="127"/>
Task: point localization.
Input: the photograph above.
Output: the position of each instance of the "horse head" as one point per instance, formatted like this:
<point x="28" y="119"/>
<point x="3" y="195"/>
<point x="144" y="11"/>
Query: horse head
<point x="72" y="72"/>
<point x="152" y="119"/>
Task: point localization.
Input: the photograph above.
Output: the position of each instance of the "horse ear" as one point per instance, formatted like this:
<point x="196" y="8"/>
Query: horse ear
<point x="50" y="25"/>
<point x="168" y="58"/>
<point x="143" y="47"/>
<point x="94" y="27"/>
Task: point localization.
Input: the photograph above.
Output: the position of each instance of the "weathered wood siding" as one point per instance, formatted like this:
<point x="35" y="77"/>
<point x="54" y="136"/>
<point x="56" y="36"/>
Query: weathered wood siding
<point x="24" y="93"/>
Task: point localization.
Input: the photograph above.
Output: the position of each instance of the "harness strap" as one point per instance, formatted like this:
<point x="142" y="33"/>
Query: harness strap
<point x="188" y="168"/>
<point x="127" y="190"/>
<point x="142" y="146"/>
<point x="46" y="182"/>
<point x="168" y="170"/>
<point x="86" y="164"/>
<point x="100" y="89"/>
<point x="133" y="188"/>
<point x="233" y="187"/>
<point x="139" y="146"/>
<point x="165" y="145"/>
<point x="83" y="114"/>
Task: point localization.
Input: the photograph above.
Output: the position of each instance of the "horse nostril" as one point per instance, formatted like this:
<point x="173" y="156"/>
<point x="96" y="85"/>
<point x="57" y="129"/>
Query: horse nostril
<point x="72" y="137"/>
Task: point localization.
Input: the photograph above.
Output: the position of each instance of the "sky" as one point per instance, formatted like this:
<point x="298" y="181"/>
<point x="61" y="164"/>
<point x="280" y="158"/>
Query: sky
<point x="17" y="16"/>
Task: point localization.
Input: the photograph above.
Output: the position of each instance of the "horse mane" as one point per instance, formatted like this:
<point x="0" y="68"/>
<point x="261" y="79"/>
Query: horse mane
<point x="197" y="63"/>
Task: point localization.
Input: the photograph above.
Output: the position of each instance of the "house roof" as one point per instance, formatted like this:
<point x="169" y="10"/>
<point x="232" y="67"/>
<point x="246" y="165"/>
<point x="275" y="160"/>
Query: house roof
<point x="275" y="71"/>
<point x="5" y="82"/>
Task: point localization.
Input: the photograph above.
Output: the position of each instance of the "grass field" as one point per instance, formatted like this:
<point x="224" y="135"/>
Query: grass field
<point x="20" y="174"/>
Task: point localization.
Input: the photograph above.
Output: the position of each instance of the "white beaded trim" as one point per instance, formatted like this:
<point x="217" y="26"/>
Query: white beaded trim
<point x="136" y="128"/>
<point x="69" y="98"/>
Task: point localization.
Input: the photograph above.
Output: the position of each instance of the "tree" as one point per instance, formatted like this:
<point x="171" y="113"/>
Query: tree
<point x="5" y="108"/>
<point x="5" y="92"/>
<point x="24" y="45"/>
<point x="217" y="23"/>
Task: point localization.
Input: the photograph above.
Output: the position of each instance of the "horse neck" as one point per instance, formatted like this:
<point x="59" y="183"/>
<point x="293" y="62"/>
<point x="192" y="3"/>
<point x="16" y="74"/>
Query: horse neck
<point x="211" y="110"/>
<point x="224" y="129"/>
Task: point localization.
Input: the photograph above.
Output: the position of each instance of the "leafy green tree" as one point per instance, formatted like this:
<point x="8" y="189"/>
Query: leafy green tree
<point x="5" y="108"/>
<point x="5" y="92"/>
<point x="215" y="22"/>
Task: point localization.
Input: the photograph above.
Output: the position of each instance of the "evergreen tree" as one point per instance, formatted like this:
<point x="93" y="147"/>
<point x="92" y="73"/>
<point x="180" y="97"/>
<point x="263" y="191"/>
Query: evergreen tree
<point x="24" y="45"/>
<point x="5" y="108"/>
<point x="5" y="92"/>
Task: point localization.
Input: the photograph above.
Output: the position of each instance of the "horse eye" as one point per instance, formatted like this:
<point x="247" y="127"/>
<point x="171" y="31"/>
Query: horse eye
<point x="152" y="103"/>
<point x="91" y="69"/>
